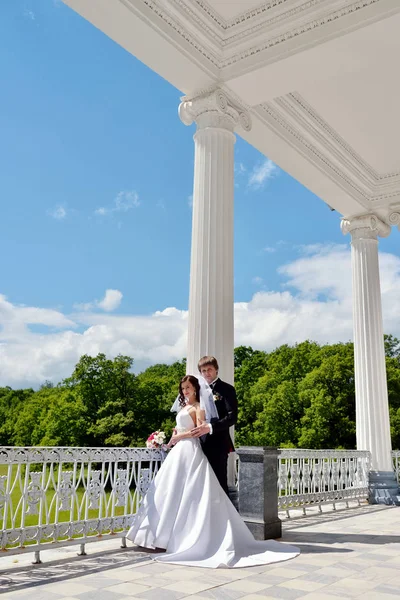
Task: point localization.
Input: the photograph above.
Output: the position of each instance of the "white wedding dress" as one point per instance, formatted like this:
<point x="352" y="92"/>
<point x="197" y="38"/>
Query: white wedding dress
<point x="187" y="512"/>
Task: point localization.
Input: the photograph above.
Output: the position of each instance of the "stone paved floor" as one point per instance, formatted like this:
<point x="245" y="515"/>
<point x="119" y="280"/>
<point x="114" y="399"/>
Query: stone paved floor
<point x="352" y="553"/>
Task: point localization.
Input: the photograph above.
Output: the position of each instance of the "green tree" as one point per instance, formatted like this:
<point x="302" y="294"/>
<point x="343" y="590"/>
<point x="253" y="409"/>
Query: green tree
<point x="11" y="404"/>
<point x="66" y="419"/>
<point x="277" y="424"/>
<point x="392" y="346"/>
<point x="328" y="396"/>
<point x="300" y="396"/>
<point x="30" y="424"/>
<point x="253" y="365"/>
<point x="106" y="389"/>
<point x="158" y="387"/>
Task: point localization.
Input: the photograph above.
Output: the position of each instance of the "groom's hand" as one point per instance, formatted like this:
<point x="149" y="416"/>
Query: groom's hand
<point x="202" y="429"/>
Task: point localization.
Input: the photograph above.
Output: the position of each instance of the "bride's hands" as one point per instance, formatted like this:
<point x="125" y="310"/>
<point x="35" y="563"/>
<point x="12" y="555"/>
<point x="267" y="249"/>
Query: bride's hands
<point x="174" y="438"/>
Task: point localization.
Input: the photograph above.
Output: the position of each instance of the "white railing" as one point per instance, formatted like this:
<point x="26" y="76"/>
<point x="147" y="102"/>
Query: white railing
<point x="53" y="497"/>
<point x="60" y="496"/>
<point x="396" y="464"/>
<point x="317" y="477"/>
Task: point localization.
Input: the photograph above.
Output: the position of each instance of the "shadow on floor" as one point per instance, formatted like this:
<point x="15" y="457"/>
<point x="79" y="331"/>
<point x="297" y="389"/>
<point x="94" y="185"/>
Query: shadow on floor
<point x="340" y="538"/>
<point x="68" y="568"/>
<point x="296" y="522"/>
<point x="317" y="549"/>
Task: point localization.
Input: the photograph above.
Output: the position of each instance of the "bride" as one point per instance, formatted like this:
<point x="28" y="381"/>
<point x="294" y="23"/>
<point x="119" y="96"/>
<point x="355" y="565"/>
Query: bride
<point x="186" y="512"/>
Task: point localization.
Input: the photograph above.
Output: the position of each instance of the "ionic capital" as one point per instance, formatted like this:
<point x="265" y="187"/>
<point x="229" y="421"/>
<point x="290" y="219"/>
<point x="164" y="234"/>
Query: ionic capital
<point x="394" y="216"/>
<point x="214" y="109"/>
<point x="365" y="227"/>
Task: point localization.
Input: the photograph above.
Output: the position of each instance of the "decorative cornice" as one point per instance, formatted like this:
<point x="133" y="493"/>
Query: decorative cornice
<point x="262" y="21"/>
<point x="365" y="227"/>
<point x="306" y="145"/>
<point x="303" y="112"/>
<point x="244" y="25"/>
<point x="179" y="29"/>
<point x="263" y="8"/>
<point x="299" y="125"/>
<point x="213" y="108"/>
<point x="297" y="31"/>
<point x="271" y="23"/>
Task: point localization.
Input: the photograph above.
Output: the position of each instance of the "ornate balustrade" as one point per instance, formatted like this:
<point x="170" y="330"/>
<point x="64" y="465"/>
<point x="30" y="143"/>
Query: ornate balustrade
<point x="60" y="496"/>
<point x="57" y="496"/>
<point x="317" y="477"/>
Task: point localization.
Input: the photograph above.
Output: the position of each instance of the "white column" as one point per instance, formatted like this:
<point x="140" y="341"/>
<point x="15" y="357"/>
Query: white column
<point x="210" y="328"/>
<point x="211" y="319"/>
<point x="372" y="407"/>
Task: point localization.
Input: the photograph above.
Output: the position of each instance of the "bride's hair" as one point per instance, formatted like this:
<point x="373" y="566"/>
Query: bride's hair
<point x="195" y="383"/>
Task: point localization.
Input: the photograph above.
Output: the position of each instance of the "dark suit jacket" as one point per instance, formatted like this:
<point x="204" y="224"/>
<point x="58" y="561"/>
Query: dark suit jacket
<point x="220" y="440"/>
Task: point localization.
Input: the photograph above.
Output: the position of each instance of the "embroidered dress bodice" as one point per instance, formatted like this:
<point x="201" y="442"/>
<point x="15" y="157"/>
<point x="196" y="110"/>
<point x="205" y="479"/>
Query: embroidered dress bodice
<point x="184" y="421"/>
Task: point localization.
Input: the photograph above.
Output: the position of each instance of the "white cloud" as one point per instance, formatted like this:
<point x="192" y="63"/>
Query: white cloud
<point x="315" y="304"/>
<point x="240" y="172"/>
<point x="111" y="301"/>
<point x="101" y="211"/>
<point x="85" y="305"/>
<point x="29" y="14"/>
<point x="59" y="212"/>
<point x="240" y="169"/>
<point x="309" y="249"/>
<point x="126" y="201"/>
<point x="324" y="270"/>
<point x="257" y="280"/>
<point x="123" y="202"/>
<point x="269" y="249"/>
<point x="17" y="318"/>
<point x="262" y="173"/>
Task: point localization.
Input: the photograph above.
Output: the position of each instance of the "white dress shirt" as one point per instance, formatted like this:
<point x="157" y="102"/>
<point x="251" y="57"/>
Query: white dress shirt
<point x="210" y="384"/>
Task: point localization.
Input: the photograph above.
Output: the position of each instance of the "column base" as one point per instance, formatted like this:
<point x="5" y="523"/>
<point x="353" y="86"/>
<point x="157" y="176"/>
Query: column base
<point x="383" y="488"/>
<point x="262" y="530"/>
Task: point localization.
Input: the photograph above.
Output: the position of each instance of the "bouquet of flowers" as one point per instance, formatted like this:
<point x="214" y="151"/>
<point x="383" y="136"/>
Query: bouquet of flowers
<point x="156" y="440"/>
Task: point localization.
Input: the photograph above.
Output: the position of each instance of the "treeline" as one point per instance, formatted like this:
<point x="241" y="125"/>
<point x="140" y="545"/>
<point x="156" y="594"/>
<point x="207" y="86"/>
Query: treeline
<point x="296" y="396"/>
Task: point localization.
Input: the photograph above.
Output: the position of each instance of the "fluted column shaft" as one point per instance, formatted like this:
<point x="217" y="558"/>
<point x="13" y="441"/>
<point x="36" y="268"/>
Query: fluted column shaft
<point x="211" y="319"/>
<point x="372" y="407"/>
<point x="210" y="328"/>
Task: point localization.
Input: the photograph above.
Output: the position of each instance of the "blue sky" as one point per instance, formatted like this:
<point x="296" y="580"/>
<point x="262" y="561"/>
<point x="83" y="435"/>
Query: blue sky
<point x="96" y="179"/>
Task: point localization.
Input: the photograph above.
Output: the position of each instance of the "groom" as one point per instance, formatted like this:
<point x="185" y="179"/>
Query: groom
<point x="217" y="443"/>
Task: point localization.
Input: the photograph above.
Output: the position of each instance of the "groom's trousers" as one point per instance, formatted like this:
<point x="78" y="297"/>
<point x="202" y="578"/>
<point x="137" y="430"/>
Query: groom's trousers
<point x="219" y="464"/>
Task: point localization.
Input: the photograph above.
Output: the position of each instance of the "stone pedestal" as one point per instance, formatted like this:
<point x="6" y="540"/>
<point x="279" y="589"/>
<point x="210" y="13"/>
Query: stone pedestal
<point x="258" y="491"/>
<point x="383" y="488"/>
